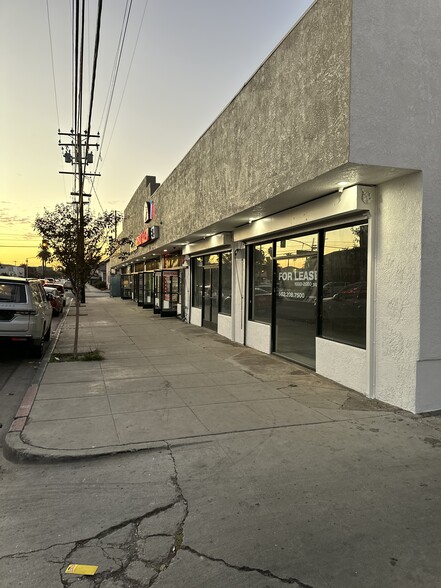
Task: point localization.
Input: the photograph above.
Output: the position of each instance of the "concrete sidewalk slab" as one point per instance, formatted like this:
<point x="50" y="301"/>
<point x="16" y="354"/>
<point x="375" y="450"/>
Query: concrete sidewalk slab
<point x="131" y="371"/>
<point x="206" y="395"/>
<point x="244" y="416"/>
<point x="74" y="390"/>
<point x="163" y="380"/>
<point x="71" y="434"/>
<point x="69" y="372"/>
<point x="69" y="408"/>
<point x="158" y="425"/>
<point x="251" y="392"/>
<point x="126" y="386"/>
<point x="140" y="401"/>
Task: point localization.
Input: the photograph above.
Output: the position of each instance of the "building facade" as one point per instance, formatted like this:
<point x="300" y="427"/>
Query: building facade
<point x="306" y="220"/>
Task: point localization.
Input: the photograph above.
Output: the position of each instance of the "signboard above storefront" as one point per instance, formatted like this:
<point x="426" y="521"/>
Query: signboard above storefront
<point x="147" y="235"/>
<point x="149" y="211"/>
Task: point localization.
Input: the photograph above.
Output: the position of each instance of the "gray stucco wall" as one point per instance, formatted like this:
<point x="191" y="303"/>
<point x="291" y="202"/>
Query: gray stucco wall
<point x="397" y="290"/>
<point x="396" y="121"/>
<point x="133" y="222"/>
<point x="288" y="125"/>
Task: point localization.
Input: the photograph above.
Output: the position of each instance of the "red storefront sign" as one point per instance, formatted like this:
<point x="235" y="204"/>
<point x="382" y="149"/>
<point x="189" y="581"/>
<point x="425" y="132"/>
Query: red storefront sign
<point x="148" y="234"/>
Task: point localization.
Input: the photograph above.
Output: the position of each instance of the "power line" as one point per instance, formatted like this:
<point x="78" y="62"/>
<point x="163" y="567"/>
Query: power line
<point x="52" y="60"/>
<point x="113" y="82"/>
<point x="95" y="60"/>
<point x="126" y="80"/>
<point x="72" y="15"/>
<point x="113" y="75"/>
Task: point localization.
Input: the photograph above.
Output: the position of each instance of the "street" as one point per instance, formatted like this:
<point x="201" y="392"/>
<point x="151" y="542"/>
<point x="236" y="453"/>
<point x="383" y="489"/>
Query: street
<point x="358" y="505"/>
<point x="351" y="500"/>
<point x="245" y="389"/>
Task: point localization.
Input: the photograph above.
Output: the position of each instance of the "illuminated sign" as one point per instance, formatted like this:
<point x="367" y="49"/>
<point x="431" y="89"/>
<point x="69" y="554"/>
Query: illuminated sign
<point x="147" y="235"/>
<point x="149" y="211"/>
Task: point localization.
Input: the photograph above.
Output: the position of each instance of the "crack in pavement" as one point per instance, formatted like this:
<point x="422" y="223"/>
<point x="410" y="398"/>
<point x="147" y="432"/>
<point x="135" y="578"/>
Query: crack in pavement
<point x="182" y="546"/>
<point x="266" y="573"/>
<point x="138" y="550"/>
<point x="24" y="554"/>
<point x="131" y="547"/>
<point x="146" y="549"/>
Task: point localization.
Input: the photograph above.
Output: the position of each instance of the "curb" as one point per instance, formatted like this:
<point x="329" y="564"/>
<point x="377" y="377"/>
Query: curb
<point x="16" y="450"/>
<point x="10" y="445"/>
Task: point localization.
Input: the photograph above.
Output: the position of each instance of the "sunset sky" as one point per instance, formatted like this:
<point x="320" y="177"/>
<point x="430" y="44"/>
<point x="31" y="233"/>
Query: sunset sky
<point x="182" y="63"/>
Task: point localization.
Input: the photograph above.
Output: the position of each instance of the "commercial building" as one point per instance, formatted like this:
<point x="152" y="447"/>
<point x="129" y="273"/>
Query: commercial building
<point x="306" y="220"/>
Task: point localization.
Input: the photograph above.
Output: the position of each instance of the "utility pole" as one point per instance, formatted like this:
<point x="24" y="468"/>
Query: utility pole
<point x="77" y="153"/>
<point x="44" y="255"/>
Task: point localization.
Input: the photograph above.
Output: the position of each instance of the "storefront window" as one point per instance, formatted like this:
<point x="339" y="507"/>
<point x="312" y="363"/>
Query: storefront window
<point x="152" y="264"/>
<point x="173" y="261"/>
<point x="296" y="298"/>
<point x="126" y="285"/>
<point x="198" y="281"/>
<point x="261" y="283"/>
<point x="210" y="294"/>
<point x="344" y="285"/>
<point x="225" y="283"/>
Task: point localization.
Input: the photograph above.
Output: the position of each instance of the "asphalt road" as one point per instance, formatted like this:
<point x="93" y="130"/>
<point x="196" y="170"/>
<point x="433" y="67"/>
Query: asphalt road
<point x="352" y="503"/>
<point x="349" y="504"/>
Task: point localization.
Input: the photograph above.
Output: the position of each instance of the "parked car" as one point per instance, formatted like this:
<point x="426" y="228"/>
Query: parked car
<point x="332" y="288"/>
<point x="55" y="299"/>
<point x="67" y="285"/>
<point x="25" y="314"/>
<point x="61" y="291"/>
<point x="344" y="315"/>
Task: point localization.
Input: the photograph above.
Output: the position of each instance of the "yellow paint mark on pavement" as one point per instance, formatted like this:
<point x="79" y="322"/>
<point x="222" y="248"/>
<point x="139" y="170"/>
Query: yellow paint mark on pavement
<point x="81" y="569"/>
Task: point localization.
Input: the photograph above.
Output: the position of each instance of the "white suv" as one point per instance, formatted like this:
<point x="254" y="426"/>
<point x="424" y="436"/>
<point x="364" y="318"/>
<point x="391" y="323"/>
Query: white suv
<point x="25" y="313"/>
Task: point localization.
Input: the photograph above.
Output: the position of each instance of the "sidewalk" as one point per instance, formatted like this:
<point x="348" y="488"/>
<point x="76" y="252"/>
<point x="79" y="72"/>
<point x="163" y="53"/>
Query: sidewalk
<point x="163" y="380"/>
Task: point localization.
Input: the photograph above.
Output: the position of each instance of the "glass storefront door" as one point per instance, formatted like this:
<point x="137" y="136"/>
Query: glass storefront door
<point x="295" y="309"/>
<point x="210" y="292"/>
<point x="126" y="286"/>
<point x="166" y="292"/>
<point x="139" y="288"/>
<point x="170" y="292"/>
<point x="157" y="291"/>
<point x="148" y="290"/>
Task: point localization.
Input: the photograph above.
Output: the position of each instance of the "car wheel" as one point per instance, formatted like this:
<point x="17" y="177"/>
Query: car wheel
<point x="36" y="350"/>
<point x="47" y="335"/>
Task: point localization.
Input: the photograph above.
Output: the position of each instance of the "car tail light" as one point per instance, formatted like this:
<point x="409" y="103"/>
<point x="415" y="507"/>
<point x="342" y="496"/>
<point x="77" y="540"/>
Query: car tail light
<point x="26" y="312"/>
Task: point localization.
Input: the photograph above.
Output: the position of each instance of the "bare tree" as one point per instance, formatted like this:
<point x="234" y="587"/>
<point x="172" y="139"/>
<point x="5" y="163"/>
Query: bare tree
<point x="60" y="228"/>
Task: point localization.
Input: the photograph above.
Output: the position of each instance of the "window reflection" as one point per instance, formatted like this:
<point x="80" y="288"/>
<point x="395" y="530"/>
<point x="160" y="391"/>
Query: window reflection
<point x="197" y="282"/>
<point x="296" y="298"/>
<point x="262" y="283"/>
<point x="344" y="285"/>
<point x="225" y="286"/>
<point x="210" y="290"/>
